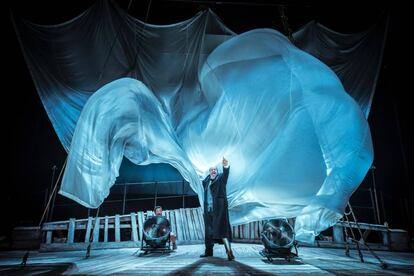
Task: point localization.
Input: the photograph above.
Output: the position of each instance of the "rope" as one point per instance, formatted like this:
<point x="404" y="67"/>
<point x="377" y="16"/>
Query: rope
<point x="112" y="45"/>
<point x="285" y="22"/>
<point x="26" y="255"/>
<point x="53" y="192"/>
<point x="142" y="31"/>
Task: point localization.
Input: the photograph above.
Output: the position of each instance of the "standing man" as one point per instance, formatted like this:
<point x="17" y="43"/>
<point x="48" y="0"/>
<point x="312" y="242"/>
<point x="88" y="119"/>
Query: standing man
<point x="216" y="213"/>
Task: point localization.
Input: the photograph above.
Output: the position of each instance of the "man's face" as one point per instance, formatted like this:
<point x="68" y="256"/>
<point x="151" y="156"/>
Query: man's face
<point x="213" y="172"/>
<point x="158" y="212"/>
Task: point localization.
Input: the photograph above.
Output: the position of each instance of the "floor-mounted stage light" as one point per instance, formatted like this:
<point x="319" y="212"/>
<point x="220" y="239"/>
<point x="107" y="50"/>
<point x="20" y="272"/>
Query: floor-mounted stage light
<point x="278" y="238"/>
<point x="156" y="235"/>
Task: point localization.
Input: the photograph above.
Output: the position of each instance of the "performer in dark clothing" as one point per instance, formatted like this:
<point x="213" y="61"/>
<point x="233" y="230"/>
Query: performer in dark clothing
<point x="173" y="237"/>
<point x="216" y="213"/>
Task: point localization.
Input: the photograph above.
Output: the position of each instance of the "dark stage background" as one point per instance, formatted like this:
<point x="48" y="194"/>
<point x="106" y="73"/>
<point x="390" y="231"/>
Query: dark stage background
<point x="33" y="148"/>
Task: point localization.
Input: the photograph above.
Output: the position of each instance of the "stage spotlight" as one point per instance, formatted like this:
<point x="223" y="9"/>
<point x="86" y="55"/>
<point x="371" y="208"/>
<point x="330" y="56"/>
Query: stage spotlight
<point x="156" y="235"/>
<point x="278" y="238"/>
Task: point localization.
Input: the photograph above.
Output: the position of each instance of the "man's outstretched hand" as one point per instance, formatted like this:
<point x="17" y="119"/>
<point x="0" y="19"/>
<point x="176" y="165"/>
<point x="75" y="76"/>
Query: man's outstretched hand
<point x="225" y="162"/>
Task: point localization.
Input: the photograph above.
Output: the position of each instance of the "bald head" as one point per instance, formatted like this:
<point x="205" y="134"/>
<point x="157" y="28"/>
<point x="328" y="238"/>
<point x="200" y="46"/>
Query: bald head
<point x="213" y="172"/>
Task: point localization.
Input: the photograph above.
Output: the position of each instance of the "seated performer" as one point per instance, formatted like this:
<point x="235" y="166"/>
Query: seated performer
<point x="173" y="237"/>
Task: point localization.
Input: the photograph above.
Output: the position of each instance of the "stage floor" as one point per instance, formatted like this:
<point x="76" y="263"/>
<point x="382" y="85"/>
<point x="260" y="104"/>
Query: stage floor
<point x="186" y="261"/>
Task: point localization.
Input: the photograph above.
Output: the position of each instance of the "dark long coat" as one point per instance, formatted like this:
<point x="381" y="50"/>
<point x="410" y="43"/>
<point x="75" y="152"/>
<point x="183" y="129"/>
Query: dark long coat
<point x="221" y="223"/>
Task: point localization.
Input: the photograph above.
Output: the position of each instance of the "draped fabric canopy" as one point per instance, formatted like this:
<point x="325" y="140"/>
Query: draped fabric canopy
<point x="189" y="93"/>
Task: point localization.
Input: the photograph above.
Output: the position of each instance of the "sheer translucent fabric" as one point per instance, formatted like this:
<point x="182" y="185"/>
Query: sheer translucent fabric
<point x="299" y="145"/>
<point x="190" y="93"/>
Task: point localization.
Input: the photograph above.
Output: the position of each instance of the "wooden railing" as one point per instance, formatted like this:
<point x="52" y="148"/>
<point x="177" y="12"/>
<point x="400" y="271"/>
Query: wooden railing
<point x="187" y="224"/>
<point x="366" y="229"/>
<point x="126" y="231"/>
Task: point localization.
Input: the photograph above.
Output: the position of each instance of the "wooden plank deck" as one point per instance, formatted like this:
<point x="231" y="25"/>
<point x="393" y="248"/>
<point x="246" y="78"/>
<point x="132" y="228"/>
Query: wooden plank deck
<point x="186" y="261"/>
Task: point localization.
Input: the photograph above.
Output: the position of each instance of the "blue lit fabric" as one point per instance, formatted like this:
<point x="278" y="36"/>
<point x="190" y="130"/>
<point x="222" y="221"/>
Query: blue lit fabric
<point x="122" y="118"/>
<point x="188" y="94"/>
<point x="298" y="143"/>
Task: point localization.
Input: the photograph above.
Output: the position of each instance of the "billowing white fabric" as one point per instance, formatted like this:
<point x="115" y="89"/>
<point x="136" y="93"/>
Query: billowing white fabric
<point x="122" y="118"/>
<point x="297" y="143"/>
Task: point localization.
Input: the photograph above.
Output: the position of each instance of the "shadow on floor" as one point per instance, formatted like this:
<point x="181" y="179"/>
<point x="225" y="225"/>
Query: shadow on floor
<point x="225" y="266"/>
<point x="280" y="261"/>
<point x="36" y="269"/>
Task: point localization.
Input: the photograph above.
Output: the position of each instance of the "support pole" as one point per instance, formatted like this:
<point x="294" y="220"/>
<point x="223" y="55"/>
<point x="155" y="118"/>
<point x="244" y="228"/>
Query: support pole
<point x="49" y="213"/>
<point x="375" y="194"/>
<point x="88" y="249"/>
<point x="123" y="200"/>
<point x="155" y="194"/>
<point x="183" y="194"/>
